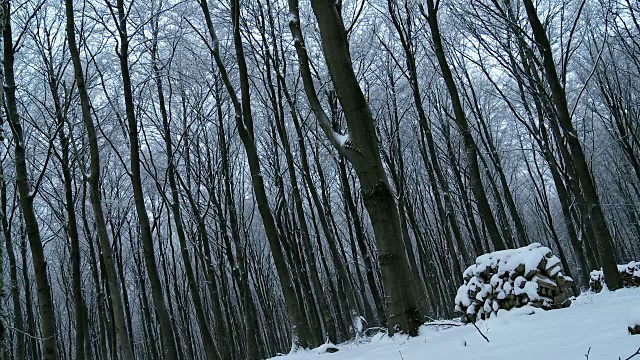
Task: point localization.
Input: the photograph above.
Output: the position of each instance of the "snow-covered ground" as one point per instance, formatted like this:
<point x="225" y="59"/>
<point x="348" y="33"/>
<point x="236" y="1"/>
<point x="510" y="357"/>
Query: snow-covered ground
<point x="595" y="324"/>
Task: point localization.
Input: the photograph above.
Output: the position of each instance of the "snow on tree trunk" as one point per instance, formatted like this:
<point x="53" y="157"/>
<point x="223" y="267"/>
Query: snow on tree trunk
<point x="507" y="279"/>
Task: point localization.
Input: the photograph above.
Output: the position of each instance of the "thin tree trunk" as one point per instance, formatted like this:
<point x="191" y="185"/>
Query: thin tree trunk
<point x="33" y="347"/>
<point x="244" y="122"/>
<point x="18" y="321"/>
<point x="601" y="230"/>
<point x="75" y="252"/>
<point x="94" y="190"/>
<point x="102" y="343"/>
<point x="210" y="348"/>
<point x="26" y="193"/>
<point x="463" y="126"/>
<point x="157" y="294"/>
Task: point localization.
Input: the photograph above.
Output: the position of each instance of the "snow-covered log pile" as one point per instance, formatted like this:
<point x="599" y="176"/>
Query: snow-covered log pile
<point x="630" y="274"/>
<point x="512" y="278"/>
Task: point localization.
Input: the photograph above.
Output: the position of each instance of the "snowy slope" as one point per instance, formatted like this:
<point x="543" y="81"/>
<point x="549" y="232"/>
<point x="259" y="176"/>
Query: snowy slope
<point x="596" y="321"/>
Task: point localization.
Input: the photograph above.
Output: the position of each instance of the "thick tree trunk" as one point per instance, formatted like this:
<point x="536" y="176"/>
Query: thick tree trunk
<point x="361" y="147"/>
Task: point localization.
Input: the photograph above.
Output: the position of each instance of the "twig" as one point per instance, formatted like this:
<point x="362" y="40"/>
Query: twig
<point x="588" y="352"/>
<point x="442" y="322"/>
<point x="27" y="334"/>
<point x="632" y="355"/>
<point x="476" y="326"/>
<point x="400" y="355"/>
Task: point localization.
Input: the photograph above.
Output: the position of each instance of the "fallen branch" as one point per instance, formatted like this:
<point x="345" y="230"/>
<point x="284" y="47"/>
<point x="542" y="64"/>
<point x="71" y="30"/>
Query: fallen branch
<point x="486" y="338"/>
<point x="632" y="355"/>
<point x="443" y="322"/>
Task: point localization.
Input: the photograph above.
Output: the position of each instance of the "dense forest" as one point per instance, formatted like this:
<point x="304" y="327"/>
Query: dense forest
<point x="227" y="179"/>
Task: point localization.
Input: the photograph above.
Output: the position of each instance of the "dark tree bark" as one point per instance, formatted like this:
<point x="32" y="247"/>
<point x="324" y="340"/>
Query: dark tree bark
<point x="72" y="228"/>
<point x="592" y="200"/>
<point x="361" y="149"/>
<point x="157" y="294"/>
<point x="244" y="122"/>
<point x="18" y="322"/>
<point x="432" y="162"/>
<point x="33" y="347"/>
<point x="95" y="275"/>
<point x="210" y="348"/>
<point x="369" y="262"/>
<point x="275" y="98"/>
<point x="344" y="284"/>
<point x="94" y="189"/>
<point x="465" y="130"/>
<point x="26" y="194"/>
<point x="241" y="275"/>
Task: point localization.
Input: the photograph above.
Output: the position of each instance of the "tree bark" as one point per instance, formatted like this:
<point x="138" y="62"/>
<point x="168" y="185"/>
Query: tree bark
<point x="244" y="122"/>
<point x="45" y="301"/>
<point x="592" y="201"/>
<point x="361" y="149"/>
<point x="157" y="294"/>
<point x="210" y="348"/>
<point x="19" y="323"/>
<point x="463" y="126"/>
<point x="94" y="189"/>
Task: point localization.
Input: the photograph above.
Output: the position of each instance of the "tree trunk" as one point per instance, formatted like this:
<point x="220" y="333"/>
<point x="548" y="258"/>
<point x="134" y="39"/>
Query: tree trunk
<point x="244" y="121"/>
<point x="210" y="348"/>
<point x="45" y="301"/>
<point x="361" y="149"/>
<point x="601" y="230"/>
<point x="463" y="126"/>
<point x="13" y="271"/>
<point x="157" y="294"/>
<point x="94" y="190"/>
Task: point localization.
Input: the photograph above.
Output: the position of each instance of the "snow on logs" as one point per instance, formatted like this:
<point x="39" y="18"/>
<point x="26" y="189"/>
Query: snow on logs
<point x="513" y="278"/>
<point x="630" y="274"/>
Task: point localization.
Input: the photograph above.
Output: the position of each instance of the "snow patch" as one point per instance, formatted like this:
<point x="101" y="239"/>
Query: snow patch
<point x="342" y="139"/>
<point x="596" y="321"/>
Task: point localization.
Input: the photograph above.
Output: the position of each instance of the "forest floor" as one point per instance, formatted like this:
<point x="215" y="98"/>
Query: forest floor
<point x="594" y="327"/>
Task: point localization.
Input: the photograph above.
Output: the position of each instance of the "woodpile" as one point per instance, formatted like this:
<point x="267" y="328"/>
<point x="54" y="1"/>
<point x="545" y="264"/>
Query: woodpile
<point x="630" y="274"/>
<point x="507" y="279"/>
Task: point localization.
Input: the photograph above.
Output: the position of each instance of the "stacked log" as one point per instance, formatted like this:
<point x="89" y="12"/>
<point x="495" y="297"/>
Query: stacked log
<point x="507" y="279"/>
<point x="630" y="274"/>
